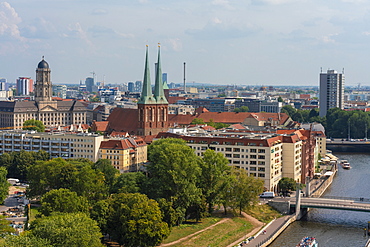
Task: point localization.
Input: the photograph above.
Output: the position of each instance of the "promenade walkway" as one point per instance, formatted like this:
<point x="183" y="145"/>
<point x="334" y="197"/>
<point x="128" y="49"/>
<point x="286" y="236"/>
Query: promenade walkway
<point x="270" y="230"/>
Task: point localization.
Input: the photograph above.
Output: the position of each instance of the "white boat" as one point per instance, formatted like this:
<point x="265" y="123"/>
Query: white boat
<point x="345" y="164"/>
<point x="308" y="242"/>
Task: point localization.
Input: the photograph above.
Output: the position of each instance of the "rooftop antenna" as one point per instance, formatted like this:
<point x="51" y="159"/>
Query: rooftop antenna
<point x="343" y="71"/>
<point x="320" y="69"/>
<point x="184" y="78"/>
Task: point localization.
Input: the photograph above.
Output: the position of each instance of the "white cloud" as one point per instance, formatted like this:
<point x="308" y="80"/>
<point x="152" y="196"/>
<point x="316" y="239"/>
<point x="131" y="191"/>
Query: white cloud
<point x="328" y="38"/>
<point x="222" y="3"/>
<point x="216" y="20"/>
<point x="9" y="21"/>
<point x="275" y="2"/>
<point x="176" y="44"/>
<point x="99" y="12"/>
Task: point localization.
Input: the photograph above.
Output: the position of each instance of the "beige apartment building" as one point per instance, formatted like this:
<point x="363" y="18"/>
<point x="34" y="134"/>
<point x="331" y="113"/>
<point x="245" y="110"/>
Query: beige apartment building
<point x="62" y="145"/>
<point x="126" y="155"/>
<point x="292" y="153"/>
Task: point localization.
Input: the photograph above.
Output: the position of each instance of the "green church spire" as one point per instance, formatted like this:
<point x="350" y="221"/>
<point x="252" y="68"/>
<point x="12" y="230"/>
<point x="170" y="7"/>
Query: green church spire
<point x="146" y="94"/>
<point x="158" y="88"/>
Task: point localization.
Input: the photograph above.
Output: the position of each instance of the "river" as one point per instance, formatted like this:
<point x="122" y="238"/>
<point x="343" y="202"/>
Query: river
<point x="336" y="228"/>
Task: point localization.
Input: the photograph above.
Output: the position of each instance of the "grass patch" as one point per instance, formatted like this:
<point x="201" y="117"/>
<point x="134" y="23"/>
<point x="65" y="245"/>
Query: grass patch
<point x="221" y="235"/>
<point x="191" y="227"/>
<point x="34" y="212"/>
<point x="264" y="213"/>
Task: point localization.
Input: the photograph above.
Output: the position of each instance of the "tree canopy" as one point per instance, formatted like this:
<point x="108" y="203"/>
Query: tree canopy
<point x="174" y="172"/>
<point x="64" y="201"/>
<point x="242" y="109"/>
<point x="77" y="176"/>
<point x="67" y="229"/>
<point x="287" y="184"/>
<point x="136" y="220"/>
<point x="4" y="184"/>
<point x="33" y="124"/>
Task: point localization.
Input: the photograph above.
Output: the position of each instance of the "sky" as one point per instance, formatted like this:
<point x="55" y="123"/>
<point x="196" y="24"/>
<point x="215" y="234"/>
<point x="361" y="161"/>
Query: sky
<point x="228" y="42"/>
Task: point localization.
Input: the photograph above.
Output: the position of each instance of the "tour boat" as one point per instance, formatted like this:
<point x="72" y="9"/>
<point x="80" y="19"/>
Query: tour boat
<point x="345" y="164"/>
<point x="308" y="242"/>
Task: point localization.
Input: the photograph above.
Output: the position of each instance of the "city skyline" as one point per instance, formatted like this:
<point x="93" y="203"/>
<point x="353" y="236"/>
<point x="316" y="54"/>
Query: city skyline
<point x="256" y="42"/>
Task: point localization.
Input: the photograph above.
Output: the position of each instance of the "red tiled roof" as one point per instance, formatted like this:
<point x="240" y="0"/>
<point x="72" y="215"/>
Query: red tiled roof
<point x="174" y="99"/>
<point x="123" y="120"/>
<point x="99" y="126"/>
<point x="200" y="110"/>
<point x="208" y="128"/>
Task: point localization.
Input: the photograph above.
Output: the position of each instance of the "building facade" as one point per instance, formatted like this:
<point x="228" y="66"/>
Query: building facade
<point x="24" y="86"/>
<point x="62" y="145"/>
<point x="126" y="155"/>
<point x="52" y="113"/>
<point x="331" y="91"/>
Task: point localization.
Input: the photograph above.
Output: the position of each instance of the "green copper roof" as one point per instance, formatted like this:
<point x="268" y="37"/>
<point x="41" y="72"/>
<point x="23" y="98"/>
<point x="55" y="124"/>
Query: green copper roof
<point x="158" y="88"/>
<point x="146" y="94"/>
<point x="165" y="85"/>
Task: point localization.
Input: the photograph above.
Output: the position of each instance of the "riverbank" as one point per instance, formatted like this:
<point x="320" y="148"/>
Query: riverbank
<point x="317" y="188"/>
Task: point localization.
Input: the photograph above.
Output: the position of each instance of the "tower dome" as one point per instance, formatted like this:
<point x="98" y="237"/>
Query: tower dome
<point x="43" y="64"/>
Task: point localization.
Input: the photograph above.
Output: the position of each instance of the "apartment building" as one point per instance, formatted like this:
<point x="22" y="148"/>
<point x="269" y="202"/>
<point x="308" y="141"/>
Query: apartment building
<point x="126" y="155"/>
<point x="62" y="145"/>
<point x="259" y="156"/>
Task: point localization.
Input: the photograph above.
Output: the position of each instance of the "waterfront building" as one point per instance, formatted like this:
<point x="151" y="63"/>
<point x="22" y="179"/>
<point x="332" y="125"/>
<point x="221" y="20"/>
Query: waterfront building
<point x="331" y="91"/>
<point x="259" y="156"/>
<point x="52" y="113"/>
<point x="64" y="145"/>
<point x="126" y="155"/>
<point x="24" y="86"/>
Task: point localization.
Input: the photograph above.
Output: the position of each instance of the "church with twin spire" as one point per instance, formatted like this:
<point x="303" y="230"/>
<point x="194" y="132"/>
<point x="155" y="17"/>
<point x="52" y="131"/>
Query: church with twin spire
<point x="151" y="117"/>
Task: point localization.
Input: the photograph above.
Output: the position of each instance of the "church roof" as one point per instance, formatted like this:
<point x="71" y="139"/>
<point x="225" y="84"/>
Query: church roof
<point x="123" y="119"/>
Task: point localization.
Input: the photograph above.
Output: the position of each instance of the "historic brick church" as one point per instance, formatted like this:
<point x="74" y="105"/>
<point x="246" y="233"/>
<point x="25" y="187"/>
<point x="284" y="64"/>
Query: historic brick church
<point x="151" y="117"/>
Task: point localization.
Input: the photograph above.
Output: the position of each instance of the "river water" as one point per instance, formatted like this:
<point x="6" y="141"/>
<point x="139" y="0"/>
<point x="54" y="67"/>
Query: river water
<point x="336" y="228"/>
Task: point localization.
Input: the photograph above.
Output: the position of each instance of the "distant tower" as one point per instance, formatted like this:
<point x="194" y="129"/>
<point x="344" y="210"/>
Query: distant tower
<point x="153" y="110"/>
<point x="331" y="91"/>
<point x="43" y="87"/>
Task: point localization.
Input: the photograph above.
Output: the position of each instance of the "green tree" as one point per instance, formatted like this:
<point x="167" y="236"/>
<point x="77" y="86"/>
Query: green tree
<point x="288" y="109"/>
<point x="245" y="191"/>
<point x="100" y="212"/>
<point x="24" y="240"/>
<point x="67" y="229"/>
<point x="110" y="173"/>
<point x="280" y="99"/>
<point x="64" y="201"/>
<point x="33" y="124"/>
<point x="77" y="176"/>
<point x="174" y="172"/>
<point x="136" y="220"/>
<point x="242" y="109"/>
<point x="4" y="184"/>
<point x="42" y="155"/>
<point x="287" y="184"/>
<point x="197" y="121"/>
<point x="298" y="117"/>
<point x="5" y="228"/>
<point x="313" y="113"/>
<point x="131" y="182"/>
<point x="21" y="161"/>
<point x="214" y="166"/>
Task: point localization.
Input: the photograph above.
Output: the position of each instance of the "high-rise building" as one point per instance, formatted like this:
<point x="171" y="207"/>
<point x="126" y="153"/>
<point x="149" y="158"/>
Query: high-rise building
<point x="138" y="86"/>
<point x="89" y="82"/>
<point x="24" y="86"/>
<point x="331" y="91"/>
<point x="131" y="86"/>
<point x="3" y="84"/>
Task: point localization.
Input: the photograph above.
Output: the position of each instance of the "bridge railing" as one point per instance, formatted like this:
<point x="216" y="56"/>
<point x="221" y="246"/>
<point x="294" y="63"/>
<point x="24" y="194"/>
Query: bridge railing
<point x="356" y="199"/>
<point x="332" y="205"/>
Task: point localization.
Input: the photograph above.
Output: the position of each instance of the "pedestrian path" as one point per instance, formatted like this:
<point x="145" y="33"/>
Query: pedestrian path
<point x="266" y="233"/>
